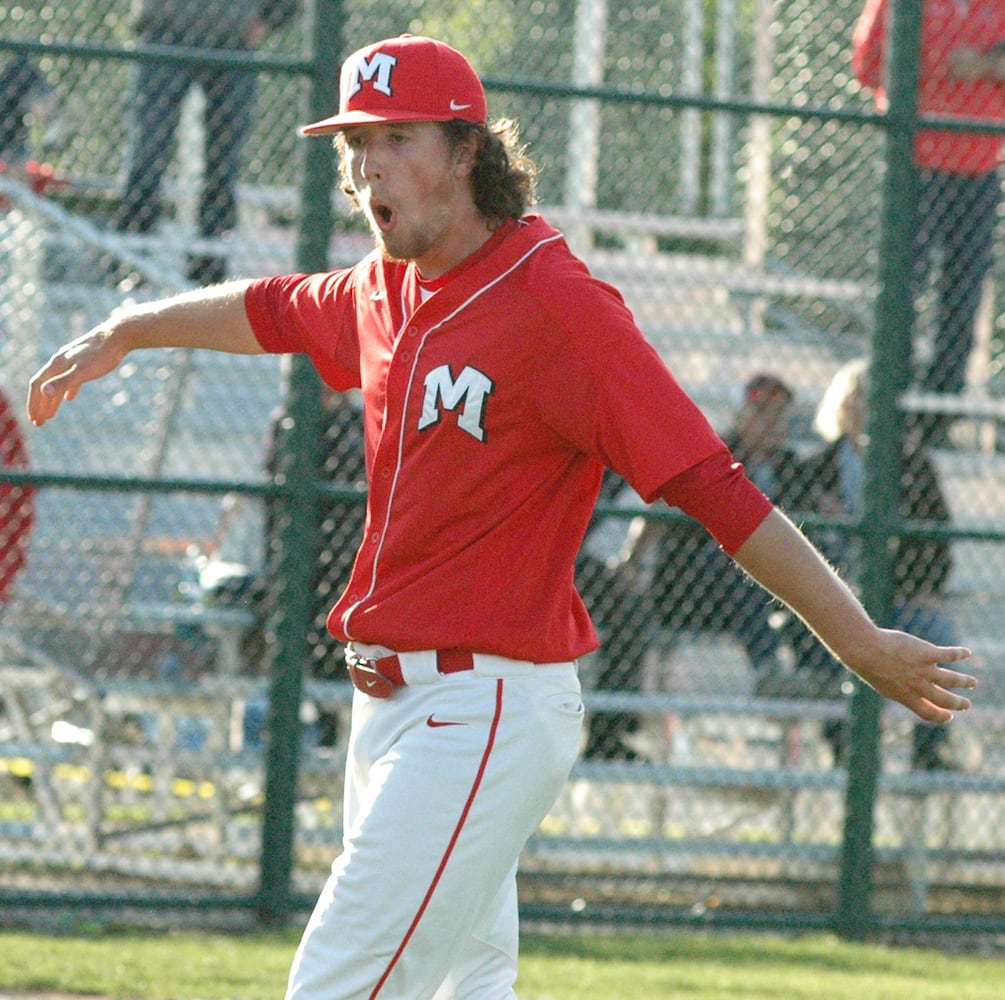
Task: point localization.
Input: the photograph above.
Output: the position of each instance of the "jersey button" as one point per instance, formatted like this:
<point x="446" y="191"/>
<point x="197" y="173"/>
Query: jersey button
<point x="375" y="537"/>
<point x="413" y="331"/>
<point x="406" y="356"/>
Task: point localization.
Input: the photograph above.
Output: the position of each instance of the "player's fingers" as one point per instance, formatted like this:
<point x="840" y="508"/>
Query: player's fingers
<point x="938" y="702"/>
<point x="951" y="654"/>
<point x="40" y="407"/>
<point x="930" y="712"/>
<point x="950" y="700"/>
<point x="954" y="680"/>
<point x="41" y="403"/>
<point x="53" y="383"/>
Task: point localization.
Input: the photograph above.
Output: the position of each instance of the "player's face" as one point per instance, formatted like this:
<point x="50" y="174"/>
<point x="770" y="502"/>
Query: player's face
<point x="413" y="189"/>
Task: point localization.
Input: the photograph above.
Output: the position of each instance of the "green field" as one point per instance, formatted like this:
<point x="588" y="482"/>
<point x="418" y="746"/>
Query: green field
<point x="192" y="965"/>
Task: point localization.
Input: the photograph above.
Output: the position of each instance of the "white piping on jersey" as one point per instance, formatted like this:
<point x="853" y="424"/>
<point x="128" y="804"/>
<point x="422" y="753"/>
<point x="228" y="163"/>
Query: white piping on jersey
<point x="408" y="395"/>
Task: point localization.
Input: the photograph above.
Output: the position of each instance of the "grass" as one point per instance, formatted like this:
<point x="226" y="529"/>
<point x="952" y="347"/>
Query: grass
<point x="204" y="966"/>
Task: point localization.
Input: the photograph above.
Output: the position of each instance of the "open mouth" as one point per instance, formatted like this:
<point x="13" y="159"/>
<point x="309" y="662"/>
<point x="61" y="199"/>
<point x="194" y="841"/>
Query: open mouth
<point x="383" y="215"/>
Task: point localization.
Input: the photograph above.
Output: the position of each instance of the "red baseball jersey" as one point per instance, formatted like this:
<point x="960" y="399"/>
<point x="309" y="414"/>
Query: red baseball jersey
<point x="946" y="25"/>
<point x="490" y="410"/>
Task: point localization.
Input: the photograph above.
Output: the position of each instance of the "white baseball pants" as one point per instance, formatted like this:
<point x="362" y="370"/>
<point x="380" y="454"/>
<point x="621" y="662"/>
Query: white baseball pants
<point x="445" y="782"/>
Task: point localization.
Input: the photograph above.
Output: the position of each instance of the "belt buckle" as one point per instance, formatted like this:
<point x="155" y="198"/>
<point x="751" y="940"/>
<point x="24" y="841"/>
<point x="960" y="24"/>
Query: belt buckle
<point x="366" y="677"/>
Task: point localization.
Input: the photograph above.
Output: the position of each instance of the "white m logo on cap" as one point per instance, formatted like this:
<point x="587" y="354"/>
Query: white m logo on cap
<point x="376" y="69"/>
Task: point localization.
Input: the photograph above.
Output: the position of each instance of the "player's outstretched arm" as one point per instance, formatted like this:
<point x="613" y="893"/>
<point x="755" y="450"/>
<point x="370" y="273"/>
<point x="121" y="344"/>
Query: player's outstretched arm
<point x="899" y="666"/>
<point x="213" y="318"/>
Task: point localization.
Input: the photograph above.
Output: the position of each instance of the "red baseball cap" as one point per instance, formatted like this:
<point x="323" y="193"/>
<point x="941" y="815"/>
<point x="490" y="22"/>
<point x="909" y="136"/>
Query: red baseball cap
<point x="405" y="79"/>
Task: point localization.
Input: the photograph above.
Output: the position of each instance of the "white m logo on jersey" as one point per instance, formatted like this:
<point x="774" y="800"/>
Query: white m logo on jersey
<point x="376" y="69"/>
<point x="471" y="387"/>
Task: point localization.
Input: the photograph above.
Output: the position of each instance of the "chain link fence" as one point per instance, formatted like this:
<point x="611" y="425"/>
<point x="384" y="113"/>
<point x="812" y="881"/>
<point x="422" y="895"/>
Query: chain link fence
<point x="721" y="164"/>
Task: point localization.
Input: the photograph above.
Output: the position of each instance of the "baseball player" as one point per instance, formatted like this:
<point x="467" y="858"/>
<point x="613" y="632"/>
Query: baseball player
<point x="499" y="378"/>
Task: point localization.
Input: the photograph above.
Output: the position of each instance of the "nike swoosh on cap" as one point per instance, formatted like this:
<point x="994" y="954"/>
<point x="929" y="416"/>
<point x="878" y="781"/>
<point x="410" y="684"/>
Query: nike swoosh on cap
<point x="454" y="106"/>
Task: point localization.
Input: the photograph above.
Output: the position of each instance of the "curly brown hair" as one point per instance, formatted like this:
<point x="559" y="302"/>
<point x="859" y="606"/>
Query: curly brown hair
<point x="503" y="178"/>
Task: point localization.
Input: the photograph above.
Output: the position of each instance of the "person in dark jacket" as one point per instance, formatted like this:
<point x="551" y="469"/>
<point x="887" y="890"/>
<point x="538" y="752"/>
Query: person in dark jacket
<point x="695" y="584"/>
<point x="338" y="531"/>
<point x="622" y="615"/>
<point x="156" y="106"/>
<point x="961" y="74"/>
<point x="24" y="93"/>
<point x="671" y="573"/>
<point x="921" y="566"/>
<point x="26" y="101"/>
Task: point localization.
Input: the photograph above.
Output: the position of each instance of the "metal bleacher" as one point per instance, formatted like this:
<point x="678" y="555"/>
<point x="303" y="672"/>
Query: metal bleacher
<point x="722" y="766"/>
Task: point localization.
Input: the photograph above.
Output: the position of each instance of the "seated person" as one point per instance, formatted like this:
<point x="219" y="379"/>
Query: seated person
<point x="695" y="586"/>
<point x="921" y="566"/>
<point x="670" y="573"/>
<point x="622" y="616"/>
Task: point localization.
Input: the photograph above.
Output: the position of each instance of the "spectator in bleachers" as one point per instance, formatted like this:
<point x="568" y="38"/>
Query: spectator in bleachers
<point x="339" y="529"/>
<point x="696" y="586"/>
<point x="760" y="438"/>
<point x="17" y="503"/>
<point x="962" y="74"/>
<point x="24" y="94"/>
<point x="160" y="87"/>
<point x="921" y="566"/>
<point x="622" y="614"/>
<point x="670" y="573"/>
<point x="25" y="100"/>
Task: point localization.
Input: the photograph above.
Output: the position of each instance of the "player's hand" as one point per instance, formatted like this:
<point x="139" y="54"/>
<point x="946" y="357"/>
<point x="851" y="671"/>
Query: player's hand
<point x="914" y="672"/>
<point x="89" y="357"/>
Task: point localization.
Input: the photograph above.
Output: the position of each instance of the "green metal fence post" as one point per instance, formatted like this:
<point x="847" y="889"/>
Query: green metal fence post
<point x="300" y="498"/>
<point x="890" y="373"/>
<point x="315" y="223"/>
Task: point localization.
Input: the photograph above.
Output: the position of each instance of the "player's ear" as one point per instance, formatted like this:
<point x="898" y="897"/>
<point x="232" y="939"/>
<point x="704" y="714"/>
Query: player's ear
<point x="466" y="153"/>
